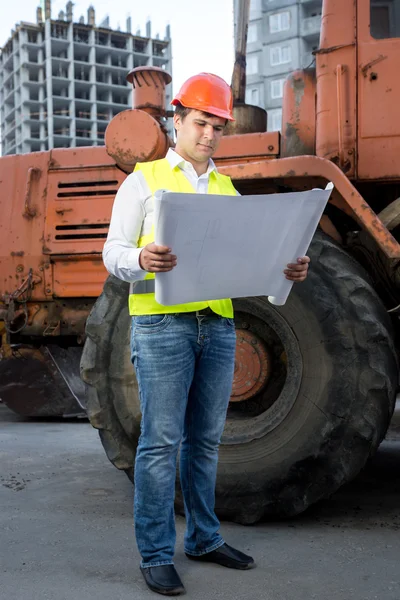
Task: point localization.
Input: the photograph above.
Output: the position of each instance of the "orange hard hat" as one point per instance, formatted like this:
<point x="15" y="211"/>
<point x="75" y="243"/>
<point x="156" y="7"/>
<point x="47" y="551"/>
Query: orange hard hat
<point x="208" y="93"/>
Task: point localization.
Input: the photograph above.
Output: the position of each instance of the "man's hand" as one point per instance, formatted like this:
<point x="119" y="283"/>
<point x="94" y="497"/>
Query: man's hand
<point x="156" y="259"/>
<point x="297" y="272"/>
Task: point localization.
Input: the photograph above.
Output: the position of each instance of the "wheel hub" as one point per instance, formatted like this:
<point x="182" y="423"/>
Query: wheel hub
<point x="252" y="366"/>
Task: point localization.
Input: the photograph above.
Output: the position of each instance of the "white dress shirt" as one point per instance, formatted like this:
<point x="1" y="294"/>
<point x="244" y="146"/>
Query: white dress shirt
<point x="132" y="217"/>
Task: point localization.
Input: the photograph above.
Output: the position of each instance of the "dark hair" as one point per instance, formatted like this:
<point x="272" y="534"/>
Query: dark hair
<point x="182" y="111"/>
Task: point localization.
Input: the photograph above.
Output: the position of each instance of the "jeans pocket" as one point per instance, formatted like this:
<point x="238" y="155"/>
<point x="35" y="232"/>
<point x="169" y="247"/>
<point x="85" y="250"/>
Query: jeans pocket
<point x="230" y="322"/>
<point x="150" y="323"/>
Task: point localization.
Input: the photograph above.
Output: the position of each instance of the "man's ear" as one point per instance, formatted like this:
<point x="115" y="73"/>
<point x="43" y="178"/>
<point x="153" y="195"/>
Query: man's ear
<point x="177" y="121"/>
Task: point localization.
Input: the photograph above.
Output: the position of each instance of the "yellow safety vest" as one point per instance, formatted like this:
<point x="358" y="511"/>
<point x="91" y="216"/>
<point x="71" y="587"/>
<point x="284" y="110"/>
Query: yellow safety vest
<point x="159" y="175"/>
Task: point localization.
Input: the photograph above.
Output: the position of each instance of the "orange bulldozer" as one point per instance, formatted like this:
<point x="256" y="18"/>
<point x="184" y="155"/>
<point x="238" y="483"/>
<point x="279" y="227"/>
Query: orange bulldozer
<point x="316" y="379"/>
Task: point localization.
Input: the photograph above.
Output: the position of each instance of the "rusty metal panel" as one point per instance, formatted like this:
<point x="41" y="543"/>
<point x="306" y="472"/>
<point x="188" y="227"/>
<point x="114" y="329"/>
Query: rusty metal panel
<point x="336" y="109"/>
<point x="54" y="204"/>
<point x="22" y="207"/>
<point x="298" y="118"/>
<point x="248" y="145"/>
<point x="80" y="158"/>
<point x="379" y="91"/>
<point x="79" y="208"/>
<point x="78" y="277"/>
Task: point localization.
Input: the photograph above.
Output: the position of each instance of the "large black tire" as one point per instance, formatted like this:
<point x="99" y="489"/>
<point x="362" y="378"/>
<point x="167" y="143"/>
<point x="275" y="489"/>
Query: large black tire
<point x="316" y="422"/>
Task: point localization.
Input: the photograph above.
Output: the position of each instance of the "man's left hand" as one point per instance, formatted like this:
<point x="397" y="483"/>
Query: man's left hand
<point x="297" y="271"/>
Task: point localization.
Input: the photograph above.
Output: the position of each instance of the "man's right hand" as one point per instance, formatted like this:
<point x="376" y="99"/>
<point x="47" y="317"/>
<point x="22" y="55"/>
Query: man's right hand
<point x="156" y="259"/>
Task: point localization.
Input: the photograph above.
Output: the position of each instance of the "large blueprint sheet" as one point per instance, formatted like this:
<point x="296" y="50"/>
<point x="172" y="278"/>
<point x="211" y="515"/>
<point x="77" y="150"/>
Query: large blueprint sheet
<point x="233" y="246"/>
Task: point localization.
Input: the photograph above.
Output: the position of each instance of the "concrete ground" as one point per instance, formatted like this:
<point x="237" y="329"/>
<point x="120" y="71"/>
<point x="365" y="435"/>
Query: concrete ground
<point x="66" y="530"/>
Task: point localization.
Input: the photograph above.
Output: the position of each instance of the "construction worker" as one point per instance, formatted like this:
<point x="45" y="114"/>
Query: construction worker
<point x="183" y="355"/>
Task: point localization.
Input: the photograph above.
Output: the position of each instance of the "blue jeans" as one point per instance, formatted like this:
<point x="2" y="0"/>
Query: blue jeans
<point x="184" y="368"/>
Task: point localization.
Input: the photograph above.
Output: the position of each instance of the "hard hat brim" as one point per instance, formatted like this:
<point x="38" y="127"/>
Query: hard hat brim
<point x="217" y="112"/>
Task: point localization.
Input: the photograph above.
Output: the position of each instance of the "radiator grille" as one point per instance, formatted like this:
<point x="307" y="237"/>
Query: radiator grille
<point x="71" y="189"/>
<point x="80" y="232"/>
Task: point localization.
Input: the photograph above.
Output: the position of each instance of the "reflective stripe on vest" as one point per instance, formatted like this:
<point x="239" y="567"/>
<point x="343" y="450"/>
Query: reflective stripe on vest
<point x="159" y="175"/>
<point x="147" y="286"/>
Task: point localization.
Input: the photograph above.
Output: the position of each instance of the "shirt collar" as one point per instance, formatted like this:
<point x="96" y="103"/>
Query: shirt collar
<point x="175" y="160"/>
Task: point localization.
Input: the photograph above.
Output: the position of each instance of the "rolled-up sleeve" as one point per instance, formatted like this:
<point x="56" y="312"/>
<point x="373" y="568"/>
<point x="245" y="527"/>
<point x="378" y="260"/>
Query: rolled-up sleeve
<point x="120" y="252"/>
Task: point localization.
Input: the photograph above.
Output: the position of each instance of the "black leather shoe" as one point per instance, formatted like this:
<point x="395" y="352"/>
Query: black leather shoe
<point x="163" y="580"/>
<point x="227" y="557"/>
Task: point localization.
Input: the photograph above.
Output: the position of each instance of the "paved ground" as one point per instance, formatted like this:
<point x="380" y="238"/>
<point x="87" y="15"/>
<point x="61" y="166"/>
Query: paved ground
<point x="66" y="530"/>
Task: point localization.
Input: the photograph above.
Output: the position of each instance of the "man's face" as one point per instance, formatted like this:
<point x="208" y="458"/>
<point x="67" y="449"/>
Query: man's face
<point x="198" y="135"/>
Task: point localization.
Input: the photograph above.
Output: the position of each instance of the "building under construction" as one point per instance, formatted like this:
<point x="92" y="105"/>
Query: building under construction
<point x="62" y="81"/>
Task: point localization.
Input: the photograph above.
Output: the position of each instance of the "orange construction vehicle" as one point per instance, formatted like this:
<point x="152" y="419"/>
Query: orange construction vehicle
<point x="316" y="379"/>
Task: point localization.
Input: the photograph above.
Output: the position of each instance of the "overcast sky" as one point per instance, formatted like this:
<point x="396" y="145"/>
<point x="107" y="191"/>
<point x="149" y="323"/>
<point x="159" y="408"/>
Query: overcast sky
<point x="202" y="32"/>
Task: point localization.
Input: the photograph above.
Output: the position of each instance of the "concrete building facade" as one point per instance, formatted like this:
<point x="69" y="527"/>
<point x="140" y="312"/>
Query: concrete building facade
<point x="61" y="82"/>
<point x="281" y="37"/>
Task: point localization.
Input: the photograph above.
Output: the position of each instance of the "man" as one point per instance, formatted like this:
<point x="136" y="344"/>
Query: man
<point x="183" y="355"/>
